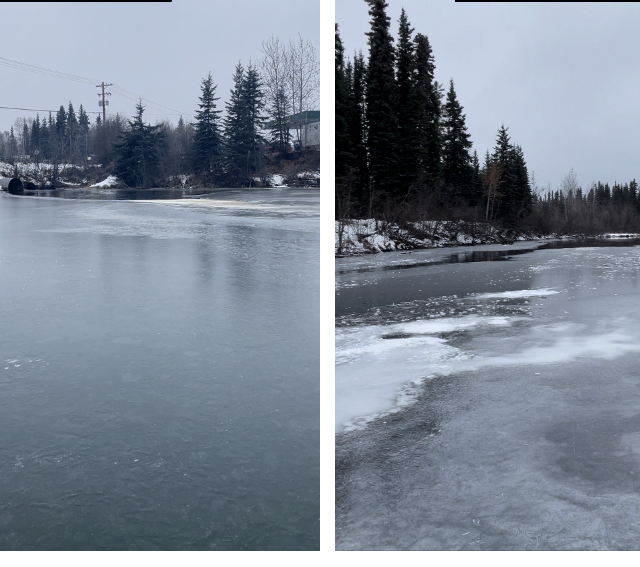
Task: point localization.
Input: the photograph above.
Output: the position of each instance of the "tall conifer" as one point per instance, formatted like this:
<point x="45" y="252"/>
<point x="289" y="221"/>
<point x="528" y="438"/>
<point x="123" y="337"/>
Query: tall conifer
<point x="138" y="153"/>
<point x="343" y="151"/>
<point x="382" y="121"/>
<point x="61" y="129"/>
<point x="456" y="162"/>
<point x="428" y="139"/>
<point x="235" y="150"/>
<point x="207" y="143"/>
<point x="72" y="123"/>
<point x="405" y="78"/>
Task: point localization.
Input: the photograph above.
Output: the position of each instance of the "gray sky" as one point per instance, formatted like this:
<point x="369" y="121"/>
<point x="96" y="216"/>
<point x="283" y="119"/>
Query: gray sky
<point x="562" y="77"/>
<point x="160" y="50"/>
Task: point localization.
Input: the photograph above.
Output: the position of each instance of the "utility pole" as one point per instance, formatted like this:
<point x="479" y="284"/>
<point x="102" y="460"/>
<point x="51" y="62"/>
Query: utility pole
<point x="103" y="102"/>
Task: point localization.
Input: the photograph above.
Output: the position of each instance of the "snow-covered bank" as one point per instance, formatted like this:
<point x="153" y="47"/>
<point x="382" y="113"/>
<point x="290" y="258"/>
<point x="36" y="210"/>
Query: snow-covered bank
<point x="370" y="236"/>
<point x="300" y="179"/>
<point x="112" y="180"/>
<point x="47" y="175"/>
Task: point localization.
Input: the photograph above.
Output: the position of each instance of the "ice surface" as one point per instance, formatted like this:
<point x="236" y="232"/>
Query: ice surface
<point x="374" y="362"/>
<point x="494" y="435"/>
<point x="381" y="363"/>
<point x="517" y="293"/>
<point x="379" y="368"/>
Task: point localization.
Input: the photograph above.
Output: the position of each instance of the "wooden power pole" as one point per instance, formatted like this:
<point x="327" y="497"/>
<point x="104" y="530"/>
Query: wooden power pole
<point x="104" y="102"/>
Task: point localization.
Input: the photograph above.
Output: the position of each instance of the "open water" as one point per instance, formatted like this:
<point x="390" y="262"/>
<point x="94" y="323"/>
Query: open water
<point x="159" y="372"/>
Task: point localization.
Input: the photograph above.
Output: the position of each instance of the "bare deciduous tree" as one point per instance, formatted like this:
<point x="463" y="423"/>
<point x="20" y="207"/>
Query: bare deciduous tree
<point x="273" y="67"/>
<point x="492" y="180"/>
<point x="294" y="69"/>
<point x="303" y="79"/>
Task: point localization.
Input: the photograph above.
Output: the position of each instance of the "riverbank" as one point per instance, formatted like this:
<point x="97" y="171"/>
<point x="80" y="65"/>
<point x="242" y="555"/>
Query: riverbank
<point x="370" y="236"/>
<point x="48" y="176"/>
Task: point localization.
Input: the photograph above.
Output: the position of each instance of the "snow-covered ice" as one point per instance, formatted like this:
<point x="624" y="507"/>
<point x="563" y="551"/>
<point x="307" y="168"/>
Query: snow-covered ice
<point x="381" y="366"/>
<point x="517" y="294"/>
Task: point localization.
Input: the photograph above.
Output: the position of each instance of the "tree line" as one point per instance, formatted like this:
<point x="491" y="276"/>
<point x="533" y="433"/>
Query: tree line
<point x="601" y="208"/>
<point x="262" y="118"/>
<point x="403" y="151"/>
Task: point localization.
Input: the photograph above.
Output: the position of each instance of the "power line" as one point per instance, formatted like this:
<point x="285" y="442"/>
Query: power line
<point x="116" y="87"/>
<point x="80" y="79"/>
<point x="45" y="109"/>
<point x="43" y="71"/>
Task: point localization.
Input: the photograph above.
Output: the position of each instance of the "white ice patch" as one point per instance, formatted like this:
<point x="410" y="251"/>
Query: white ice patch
<point x="567" y="349"/>
<point x="374" y="362"/>
<point x="214" y="204"/>
<point x="517" y="294"/>
<point x="380" y="368"/>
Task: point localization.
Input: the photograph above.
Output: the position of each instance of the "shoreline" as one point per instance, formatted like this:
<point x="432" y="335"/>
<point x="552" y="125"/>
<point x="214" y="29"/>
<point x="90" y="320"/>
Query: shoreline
<point x="369" y="236"/>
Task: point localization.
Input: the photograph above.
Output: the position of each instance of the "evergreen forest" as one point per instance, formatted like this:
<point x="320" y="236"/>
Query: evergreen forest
<point x="404" y="154"/>
<point x="259" y="129"/>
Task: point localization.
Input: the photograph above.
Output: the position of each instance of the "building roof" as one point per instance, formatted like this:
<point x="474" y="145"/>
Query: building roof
<point x="306" y="116"/>
<point x="311" y="116"/>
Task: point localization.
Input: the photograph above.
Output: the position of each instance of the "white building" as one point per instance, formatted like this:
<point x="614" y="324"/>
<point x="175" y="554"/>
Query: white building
<point x="308" y="124"/>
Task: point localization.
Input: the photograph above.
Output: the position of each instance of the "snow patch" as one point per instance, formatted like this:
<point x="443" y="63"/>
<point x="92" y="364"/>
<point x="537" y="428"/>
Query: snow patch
<point x="108" y="182"/>
<point x="516" y="294"/>
<point x="381" y="368"/>
<point x="277" y="180"/>
<point x="374" y="362"/>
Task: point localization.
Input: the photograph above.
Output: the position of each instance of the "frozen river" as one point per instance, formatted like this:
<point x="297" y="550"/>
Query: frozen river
<point x="160" y="372"/>
<point x="487" y="400"/>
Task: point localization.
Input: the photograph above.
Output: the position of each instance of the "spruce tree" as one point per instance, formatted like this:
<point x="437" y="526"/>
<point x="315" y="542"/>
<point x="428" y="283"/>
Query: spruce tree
<point x="343" y="152"/>
<point x="521" y="194"/>
<point x="456" y="161"/>
<point x="515" y="192"/>
<point x="137" y="155"/>
<point x="13" y="144"/>
<point x="405" y="109"/>
<point x="357" y="132"/>
<point x="235" y="151"/>
<point x="207" y="144"/>
<point x="184" y="144"/>
<point x="475" y="197"/>
<point x="61" y="130"/>
<point x="35" y="134"/>
<point x="83" y="120"/>
<point x="243" y="142"/>
<point x="26" y="139"/>
<point x="72" y="123"/>
<point x="254" y="107"/>
<point x="83" y="124"/>
<point x="279" y="131"/>
<point x="45" y="134"/>
<point x="381" y="117"/>
<point x="428" y="139"/>
<point x="502" y="157"/>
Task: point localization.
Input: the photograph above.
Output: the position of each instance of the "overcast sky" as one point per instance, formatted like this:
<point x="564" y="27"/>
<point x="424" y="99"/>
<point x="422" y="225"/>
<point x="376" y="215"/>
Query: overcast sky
<point x="158" y="50"/>
<point x="563" y="77"/>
